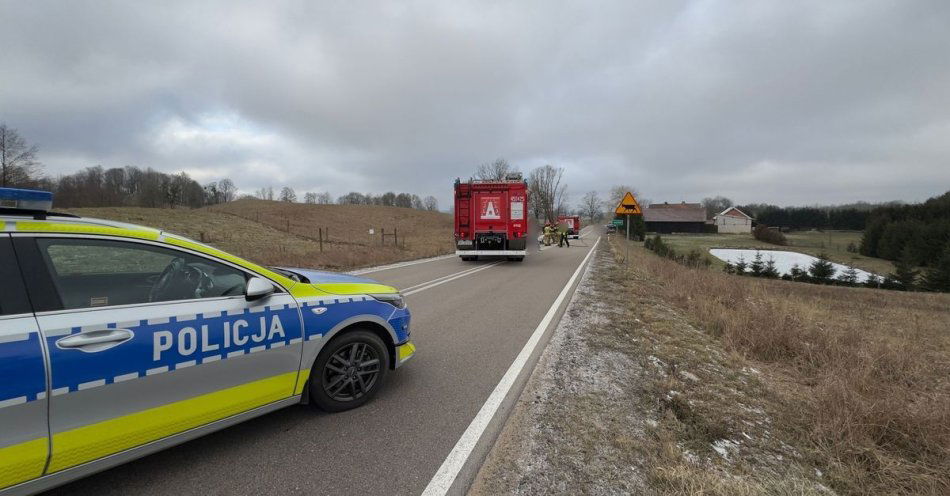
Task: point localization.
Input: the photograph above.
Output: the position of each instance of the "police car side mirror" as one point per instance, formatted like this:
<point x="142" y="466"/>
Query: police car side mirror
<point x="257" y="288"/>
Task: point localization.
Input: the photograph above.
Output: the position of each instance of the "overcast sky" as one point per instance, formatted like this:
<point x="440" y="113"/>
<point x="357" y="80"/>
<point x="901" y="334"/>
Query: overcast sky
<point x="788" y="102"/>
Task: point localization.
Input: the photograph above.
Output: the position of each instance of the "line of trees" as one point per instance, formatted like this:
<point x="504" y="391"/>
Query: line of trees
<point x="918" y="235"/>
<point x="845" y="217"/>
<point x="132" y="186"/>
<point x="390" y="199"/>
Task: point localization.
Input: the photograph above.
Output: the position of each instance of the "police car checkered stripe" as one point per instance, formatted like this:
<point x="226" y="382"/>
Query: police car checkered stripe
<point x="315" y="326"/>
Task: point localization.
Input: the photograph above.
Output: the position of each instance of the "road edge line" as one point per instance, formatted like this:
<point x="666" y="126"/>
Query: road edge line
<point x="459" y="461"/>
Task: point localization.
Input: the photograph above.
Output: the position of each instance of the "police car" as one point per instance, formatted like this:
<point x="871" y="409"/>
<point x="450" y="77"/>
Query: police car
<point x="119" y="340"/>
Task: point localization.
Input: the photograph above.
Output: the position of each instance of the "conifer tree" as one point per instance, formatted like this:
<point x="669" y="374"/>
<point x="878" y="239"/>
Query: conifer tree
<point x="904" y="272"/>
<point x="849" y="276"/>
<point x="741" y="266"/>
<point x="729" y="268"/>
<point x="797" y="273"/>
<point x="821" y="270"/>
<point x="937" y="277"/>
<point x="769" y="270"/>
<point x="757" y="265"/>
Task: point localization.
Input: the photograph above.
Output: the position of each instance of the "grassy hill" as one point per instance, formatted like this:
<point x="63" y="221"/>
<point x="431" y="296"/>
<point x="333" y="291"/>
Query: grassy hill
<point x="275" y="233"/>
<point x="855" y="382"/>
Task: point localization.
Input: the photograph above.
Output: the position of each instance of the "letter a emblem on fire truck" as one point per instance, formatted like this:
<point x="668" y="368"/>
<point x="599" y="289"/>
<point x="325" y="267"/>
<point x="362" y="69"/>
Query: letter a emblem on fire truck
<point x="490" y="208"/>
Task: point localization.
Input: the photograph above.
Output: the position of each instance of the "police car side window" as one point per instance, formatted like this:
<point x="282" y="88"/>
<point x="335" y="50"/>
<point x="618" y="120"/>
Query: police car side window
<point x="93" y="273"/>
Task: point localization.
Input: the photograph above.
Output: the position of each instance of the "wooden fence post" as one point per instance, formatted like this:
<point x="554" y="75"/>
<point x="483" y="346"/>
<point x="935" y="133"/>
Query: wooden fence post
<point x="396" y="237"/>
<point x="321" y="240"/>
<point x="382" y="237"/>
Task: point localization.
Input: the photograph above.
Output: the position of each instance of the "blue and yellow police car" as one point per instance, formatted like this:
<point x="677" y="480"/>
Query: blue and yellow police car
<point x="118" y="340"/>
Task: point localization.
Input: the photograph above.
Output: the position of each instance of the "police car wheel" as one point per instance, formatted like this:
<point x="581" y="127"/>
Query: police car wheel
<point x="349" y="371"/>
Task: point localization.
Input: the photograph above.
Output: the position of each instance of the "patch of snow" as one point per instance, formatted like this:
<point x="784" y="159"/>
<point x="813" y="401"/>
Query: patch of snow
<point x="723" y="446"/>
<point x="689" y="376"/>
<point x="784" y="260"/>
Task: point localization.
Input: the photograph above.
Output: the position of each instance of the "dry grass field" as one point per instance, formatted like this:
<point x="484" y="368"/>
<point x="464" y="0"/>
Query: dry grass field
<point x="859" y="379"/>
<point x="274" y="233"/>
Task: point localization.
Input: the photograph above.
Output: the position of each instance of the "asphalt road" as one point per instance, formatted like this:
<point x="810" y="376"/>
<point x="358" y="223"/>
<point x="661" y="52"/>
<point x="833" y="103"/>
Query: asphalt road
<point x="468" y="331"/>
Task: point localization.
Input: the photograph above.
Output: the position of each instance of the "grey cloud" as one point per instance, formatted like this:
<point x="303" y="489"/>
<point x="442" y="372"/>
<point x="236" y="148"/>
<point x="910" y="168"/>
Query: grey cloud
<point x="754" y="99"/>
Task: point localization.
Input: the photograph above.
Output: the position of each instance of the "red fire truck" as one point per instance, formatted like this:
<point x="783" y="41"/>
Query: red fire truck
<point x="491" y="218"/>
<point x="573" y="223"/>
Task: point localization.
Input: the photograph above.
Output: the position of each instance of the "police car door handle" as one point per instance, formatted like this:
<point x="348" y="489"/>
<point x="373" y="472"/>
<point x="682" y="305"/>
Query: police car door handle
<point x="98" y="340"/>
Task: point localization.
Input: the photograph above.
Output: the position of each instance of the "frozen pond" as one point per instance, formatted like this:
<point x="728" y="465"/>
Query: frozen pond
<point x="784" y="260"/>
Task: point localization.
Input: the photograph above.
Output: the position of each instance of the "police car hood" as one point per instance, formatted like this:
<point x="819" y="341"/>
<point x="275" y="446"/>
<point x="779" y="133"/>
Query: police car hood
<point x="337" y="283"/>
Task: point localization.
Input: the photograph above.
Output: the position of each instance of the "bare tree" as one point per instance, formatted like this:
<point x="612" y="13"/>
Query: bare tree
<point x="227" y="189"/>
<point x="715" y="205"/>
<point x="324" y="198"/>
<point x="494" y="171"/>
<point x="288" y="195"/>
<point x="617" y="193"/>
<point x="266" y="193"/>
<point x="310" y="198"/>
<point x="431" y="203"/>
<point x="18" y="163"/>
<point x="592" y="206"/>
<point x="546" y="191"/>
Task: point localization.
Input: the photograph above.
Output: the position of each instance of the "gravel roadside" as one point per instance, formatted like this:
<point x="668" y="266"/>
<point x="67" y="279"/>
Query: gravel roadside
<point x="629" y="398"/>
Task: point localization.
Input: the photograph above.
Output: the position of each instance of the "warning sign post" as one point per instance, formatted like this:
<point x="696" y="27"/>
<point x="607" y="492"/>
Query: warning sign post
<point x="627" y="207"/>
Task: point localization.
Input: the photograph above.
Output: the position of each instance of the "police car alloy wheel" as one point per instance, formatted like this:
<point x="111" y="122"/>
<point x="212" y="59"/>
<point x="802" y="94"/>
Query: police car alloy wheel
<point x="349" y="371"/>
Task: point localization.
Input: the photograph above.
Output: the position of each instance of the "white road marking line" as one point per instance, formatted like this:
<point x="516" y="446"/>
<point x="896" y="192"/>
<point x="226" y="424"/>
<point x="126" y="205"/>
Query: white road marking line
<point x="442" y="481"/>
<point x="157" y="370"/>
<point x="450" y="279"/>
<point x="125" y="377"/>
<point x="91" y="384"/>
<point x="399" y="265"/>
<point x="410" y="288"/>
<point x="13" y="401"/>
<point x="185" y="365"/>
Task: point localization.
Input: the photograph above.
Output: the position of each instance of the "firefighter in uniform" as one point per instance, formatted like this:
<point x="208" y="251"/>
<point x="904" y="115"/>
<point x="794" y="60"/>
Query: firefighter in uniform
<point x="547" y="234"/>
<point x="562" y="236"/>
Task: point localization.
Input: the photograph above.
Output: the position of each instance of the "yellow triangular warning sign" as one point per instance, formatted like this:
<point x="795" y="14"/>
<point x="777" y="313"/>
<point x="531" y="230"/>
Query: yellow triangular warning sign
<point x="628" y="206"/>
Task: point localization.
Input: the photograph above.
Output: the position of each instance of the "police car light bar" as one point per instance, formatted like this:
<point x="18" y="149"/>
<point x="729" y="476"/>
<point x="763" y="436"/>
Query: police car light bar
<point x="26" y="199"/>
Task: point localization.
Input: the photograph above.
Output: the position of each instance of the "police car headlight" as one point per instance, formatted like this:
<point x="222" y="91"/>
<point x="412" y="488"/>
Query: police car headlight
<point x="394" y="299"/>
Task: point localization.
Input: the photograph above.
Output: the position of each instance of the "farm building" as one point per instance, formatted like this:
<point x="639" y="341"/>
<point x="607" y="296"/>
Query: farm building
<point x="733" y="220"/>
<point x="680" y="217"/>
